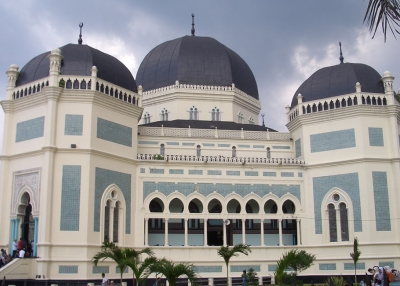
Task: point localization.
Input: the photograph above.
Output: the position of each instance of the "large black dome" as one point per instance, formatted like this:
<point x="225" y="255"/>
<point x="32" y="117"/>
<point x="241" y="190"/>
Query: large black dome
<point x="338" y="80"/>
<point x="198" y="61"/>
<point x="79" y="60"/>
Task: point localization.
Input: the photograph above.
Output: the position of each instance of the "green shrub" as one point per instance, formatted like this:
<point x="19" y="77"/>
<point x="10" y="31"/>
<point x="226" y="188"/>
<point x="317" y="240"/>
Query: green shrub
<point x="336" y="281"/>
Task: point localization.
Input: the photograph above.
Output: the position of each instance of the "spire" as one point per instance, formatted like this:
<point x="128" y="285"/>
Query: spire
<point x="80" y="34"/>
<point x="193" y="24"/>
<point x="341" y="58"/>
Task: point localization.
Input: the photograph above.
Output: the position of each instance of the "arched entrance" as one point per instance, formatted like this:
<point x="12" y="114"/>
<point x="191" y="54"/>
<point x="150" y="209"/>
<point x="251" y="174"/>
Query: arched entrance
<point x="27" y="223"/>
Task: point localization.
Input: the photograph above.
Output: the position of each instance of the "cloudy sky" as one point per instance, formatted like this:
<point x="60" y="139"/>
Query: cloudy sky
<point x="283" y="41"/>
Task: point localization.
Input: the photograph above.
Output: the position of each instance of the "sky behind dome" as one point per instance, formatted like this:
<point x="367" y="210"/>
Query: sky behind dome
<point x="284" y="42"/>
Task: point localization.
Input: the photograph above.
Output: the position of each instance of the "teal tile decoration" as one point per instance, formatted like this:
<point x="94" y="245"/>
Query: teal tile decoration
<point x="142" y="170"/>
<point x="300" y="174"/>
<point x="187" y="144"/>
<point x="327" y="266"/>
<point x="103" y="179"/>
<point x="269" y="174"/>
<point x="73" y="125"/>
<point x="100" y="269"/>
<point x="280" y="147"/>
<point x="259" y="146"/>
<point x="272" y="267"/>
<point x="173" y="143"/>
<point x="287" y="174"/>
<point x="335" y="140"/>
<point x="233" y="173"/>
<point x="176" y="171"/>
<point x="386" y="263"/>
<point x="70" y="198"/>
<point x="223" y="189"/>
<point x="297" y="146"/>
<point x="224" y="145"/>
<point x="156" y="171"/>
<point x="195" y="172"/>
<point x="350" y="266"/>
<point x="117" y="270"/>
<point x="68" y="269"/>
<point x="240" y="268"/>
<point x="148" y="142"/>
<point x="381" y="199"/>
<point x="30" y="129"/>
<point x="348" y="183"/>
<point x="114" y="132"/>
<point x="243" y="146"/>
<point x="208" y="144"/>
<point x="251" y="173"/>
<point x="214" y="172"/>
<point x="209" y="269"/>
<point x="375" y="136"/>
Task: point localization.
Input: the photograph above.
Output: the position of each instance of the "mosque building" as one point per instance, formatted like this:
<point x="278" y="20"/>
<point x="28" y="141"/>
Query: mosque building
<point x="176" y="159"/>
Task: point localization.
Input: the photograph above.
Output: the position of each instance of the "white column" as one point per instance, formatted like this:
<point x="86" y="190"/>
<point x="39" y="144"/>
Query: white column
<point x="262" y="232"/>
<point x="338" y="226"/>
<point x="55" y="59"/>
<point x="12" y="75"/>
<point x="224" y="233"/>
<point x="280" y="232"/>
<point x="111" y="224"/>
<point x="243" y="231"/>
<point x="186" y="231"/>
<point x="166" y="232"/>
<point x="94" y="78"/>
<point x="298" y="232"/>
<point x="146" y="232"/>
<point x="205" y="232"/>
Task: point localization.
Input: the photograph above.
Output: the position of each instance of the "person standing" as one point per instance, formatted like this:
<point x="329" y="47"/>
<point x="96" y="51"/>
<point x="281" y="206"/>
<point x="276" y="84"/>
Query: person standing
<point x="105" y="281"/>
<point x="20" y="244"/>
<point x="244" y="278"/>
<point x="14" y="247"/>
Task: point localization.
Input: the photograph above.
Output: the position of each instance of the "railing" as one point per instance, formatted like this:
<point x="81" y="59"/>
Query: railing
<point x="212" y="133"/>
<point x="220" y="159"/>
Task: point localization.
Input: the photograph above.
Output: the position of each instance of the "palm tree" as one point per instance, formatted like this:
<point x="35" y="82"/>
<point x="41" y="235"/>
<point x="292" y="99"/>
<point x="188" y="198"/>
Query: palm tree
<point x="355" y="255"/>
<point x="384" y="12"/>
<point x="139" y="267"/>
<point x="172" y="270"/>
<point x="227" y="253"/>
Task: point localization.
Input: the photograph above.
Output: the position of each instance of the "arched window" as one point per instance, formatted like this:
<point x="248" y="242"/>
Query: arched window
<point x="251" y="120"/>
<point x="215" y="115"/>
<point x="193" y="113"/>
<point x="233" y="151"/>
<point x="344" y="222"/>
<point x="164" y="115"/>
<point x="268" y="153"/>
<point x="162" y="150"/>
<point x="155" y="207"/>
<point x="240" y="117"/>
<point x="337" y="217"/>
<point x="332" y="223"/>
<point x="113" y="215"/>
<point x="198" y="151"/>
<point x="146" y="118"/>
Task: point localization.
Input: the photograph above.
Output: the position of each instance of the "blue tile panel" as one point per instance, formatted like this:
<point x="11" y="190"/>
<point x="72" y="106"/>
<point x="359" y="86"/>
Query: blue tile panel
<point x="349" y="183"/>
<point x="187" y="144"/>
<point x="209" y="144"/>
<point x="73" y="124"/>
<point x="251" y="173"/>
<point x="203" y="269"/>
<point x="70" y="198"/>
<point x="224" y="145"/>
<point x="126" y="270"/>
<point x="68" y="269"/>
<point x="149" y="142"/>
<point x="280" y="147"/>
<point x="350" y="266"/>
<point x="386" y="263"/>
<point x="297" y="145"/>
<point x="142" y="170"/>
<point x="259" y="146"/>
<point x="243" y="146"/>
<point x="233" y="173"/>
<point x="176" y="171"/>
<point x="173" y="143"/>
<point x="272" y="267"/>
<point x="381" y="199"/>
<point x="103" y="179"/>
<point x="156" y="171"/>
<point x="287" y="174"/>
<point x="214" y="172"/>
<point x="30" y="129"/>
<point x="327" y="266"/>
<point x="332" y="140"/>
<point x="114" y="132"/>
<point x="375" y="136"/>
<point x="240" y="268"/>
<point x="195" y="172"/>
<point x="300" y="174"/>
<point x="100" y="269"/>
<point x="269" y="174"/>
<point x="206" y="189"/>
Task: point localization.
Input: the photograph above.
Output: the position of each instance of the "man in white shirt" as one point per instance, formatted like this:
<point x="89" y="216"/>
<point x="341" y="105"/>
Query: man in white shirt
<point x="14" y="247"/>
<point x="105" y="281"/>
<point x="22" y="253"/>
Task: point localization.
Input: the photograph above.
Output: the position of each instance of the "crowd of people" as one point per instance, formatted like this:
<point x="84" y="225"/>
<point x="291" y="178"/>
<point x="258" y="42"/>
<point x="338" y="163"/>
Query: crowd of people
<point x="379" y="273"/>
<point x="19" y="249"/>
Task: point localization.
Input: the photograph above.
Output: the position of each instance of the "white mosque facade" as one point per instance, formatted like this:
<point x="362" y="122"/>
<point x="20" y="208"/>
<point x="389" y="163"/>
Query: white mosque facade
<point x="176" y="159"/>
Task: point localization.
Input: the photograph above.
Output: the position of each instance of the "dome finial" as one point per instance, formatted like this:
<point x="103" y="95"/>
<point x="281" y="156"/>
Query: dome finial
<point x="193" y="24"/>
<point x="80" y="34"/>
<point x="341" y="58"/>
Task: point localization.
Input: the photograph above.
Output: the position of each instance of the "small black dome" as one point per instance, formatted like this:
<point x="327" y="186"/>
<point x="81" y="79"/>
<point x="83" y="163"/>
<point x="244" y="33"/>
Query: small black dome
<point x="197" y="61"/>
<point x="79" y="60"/>
<point x="338" y="80"/>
